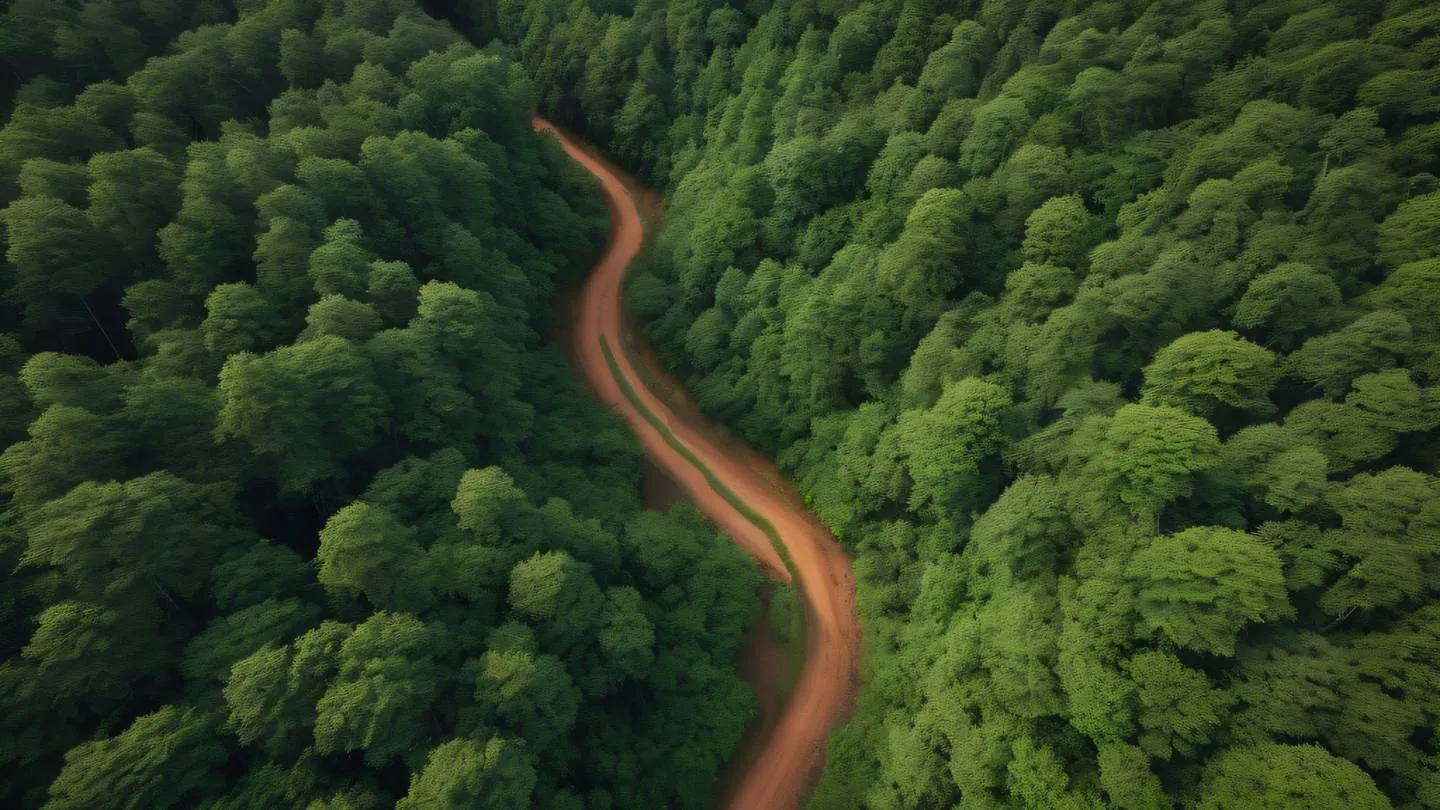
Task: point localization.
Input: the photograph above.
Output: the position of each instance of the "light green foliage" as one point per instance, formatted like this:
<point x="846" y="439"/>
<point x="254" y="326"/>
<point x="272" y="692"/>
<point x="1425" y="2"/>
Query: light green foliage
<point x="533" y="696"/>
<point x="1198" y="588"/>
<point x="1390" y="531"/>
<point x="364" y="550"/>
<point x="386" y="683"/>
<point x="164" y="759"/>
<point x="1149" y="455"/>
<point x="1287" y="301"/>
<point x="997" y="128"/>
<point x="1177" y="258"/>
<point x="339" y="316"/>
<point x="1033" y="291"/>
<point x="1127" y="779"/>
<point x="556" y="591"/>
<point x="464" y="774"/>
<point x="1178" y="709"/>
<point x="1411" y="233"/>
<point x="1205" y="371"/>
<point x="340" y="265"/>
<point x="1057" y="232"/>
<point x="484" y="500"/>
<point x="1277" y="776"/>
<point x="271" y="695"/>
<point x="1332" y="361"/>
<point x="1296" y="478"/>
<point x="945" y="446"/>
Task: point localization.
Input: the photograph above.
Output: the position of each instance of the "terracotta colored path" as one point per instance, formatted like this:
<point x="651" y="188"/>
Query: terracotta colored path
<point x="794" y="751"/>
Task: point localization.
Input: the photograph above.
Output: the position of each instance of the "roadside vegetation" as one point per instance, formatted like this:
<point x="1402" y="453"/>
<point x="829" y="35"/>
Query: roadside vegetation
<point x="297" y="509"/>
<point x="1102" y="333"/>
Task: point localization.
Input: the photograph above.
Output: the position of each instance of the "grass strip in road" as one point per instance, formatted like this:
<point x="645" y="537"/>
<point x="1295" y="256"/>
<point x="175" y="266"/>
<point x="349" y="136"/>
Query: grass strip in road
<point x="745" y="510"/>
<point x="795" y="645"/>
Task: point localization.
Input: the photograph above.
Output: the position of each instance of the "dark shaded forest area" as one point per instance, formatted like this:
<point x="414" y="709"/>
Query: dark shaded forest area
<point x="1105" y="334"/>
<point x="298" y="505"/>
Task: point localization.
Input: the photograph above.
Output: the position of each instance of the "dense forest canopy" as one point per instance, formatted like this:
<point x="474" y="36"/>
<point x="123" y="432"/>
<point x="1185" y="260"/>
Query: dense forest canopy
<point x="1103" y="333"/>
<point x="298" y="506"/>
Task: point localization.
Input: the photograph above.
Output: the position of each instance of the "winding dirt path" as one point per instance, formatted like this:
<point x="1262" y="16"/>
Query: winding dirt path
<point x="794" y="751"/>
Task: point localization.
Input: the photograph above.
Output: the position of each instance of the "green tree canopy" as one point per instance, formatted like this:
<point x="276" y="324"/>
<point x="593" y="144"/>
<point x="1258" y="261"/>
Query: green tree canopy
<point x="1198" y="588"/>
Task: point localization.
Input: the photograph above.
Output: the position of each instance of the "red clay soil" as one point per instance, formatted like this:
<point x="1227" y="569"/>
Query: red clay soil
<point x="763" y="665"/>
<point x="794" y="752"/>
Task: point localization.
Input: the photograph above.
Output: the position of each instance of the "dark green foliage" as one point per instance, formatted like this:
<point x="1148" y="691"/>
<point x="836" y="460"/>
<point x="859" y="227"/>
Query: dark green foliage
<point x="1103" y="334"/>
<point x="297" y="508"/>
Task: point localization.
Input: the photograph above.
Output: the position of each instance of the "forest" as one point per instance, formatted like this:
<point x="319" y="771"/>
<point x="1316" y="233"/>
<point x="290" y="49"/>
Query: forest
<point x="1105" y="335"/>
<point x="300" y="504"/>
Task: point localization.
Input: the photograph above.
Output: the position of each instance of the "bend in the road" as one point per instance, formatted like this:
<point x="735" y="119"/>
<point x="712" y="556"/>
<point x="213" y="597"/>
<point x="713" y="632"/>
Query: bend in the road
<point x="794" y="751"/>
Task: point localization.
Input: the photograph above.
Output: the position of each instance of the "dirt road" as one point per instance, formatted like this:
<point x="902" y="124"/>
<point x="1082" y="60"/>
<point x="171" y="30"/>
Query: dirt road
<point x="794" y="752"/>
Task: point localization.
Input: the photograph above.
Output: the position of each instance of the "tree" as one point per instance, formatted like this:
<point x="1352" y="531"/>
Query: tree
<point x="1344" y="434"/>
<point x="210" y="655"/>
<point x="151" y="538"/>
<point x="1205" y="371"/>
<point x="271" y="695"/>
<point x="364" y="550"/>
<point x="1057" y="232"/>
<point x="948" y="474"/>
<point x="89" y="651"/>
<point x="238" y="319"/>
<point x="1355" y="134"/>
<point x="380" y="702"/>
<point x="1274" y="775"/>
<point x="464" y="774"/>
<point x="66" y="445"/>
<point x="132" y="195"/>
<point x="556" y="591"/>
<point x="58" y="257"/>
<point x="306" y="408"/>
<point x="1033" y="291"/>
<point x="167" y="758"/>
<point x="1198" y="588"/>
<point x="1393" y="401"/>
<point x="533" y="696"/>
<point x="1178" y="708"/>
<point x="339" y="316"/>
<point x="1411" y="232"/>
<point x="1149" y="455"/>
<point x="626" y="636"/>
<point x="998" y="126"/>
<point x="1127" y="779"/>
<point x="291" y="202"/>
<point x="1288" y="301"/>
<point x="1372" y="342"/>
<point x="254" y="572"/>
<point x="1390" y="532"/>
<point x="454" y="371"/>
<point x="51" y="378"/>
<point x="341" y="264"/>
<point x="393" y="290"/>
<point x="915" y="272"/>
<point x="1410" y="290"/>
<point x="1296" y="478"/>
<point x="708" y="338"/>
<point x="486" y="502"/>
